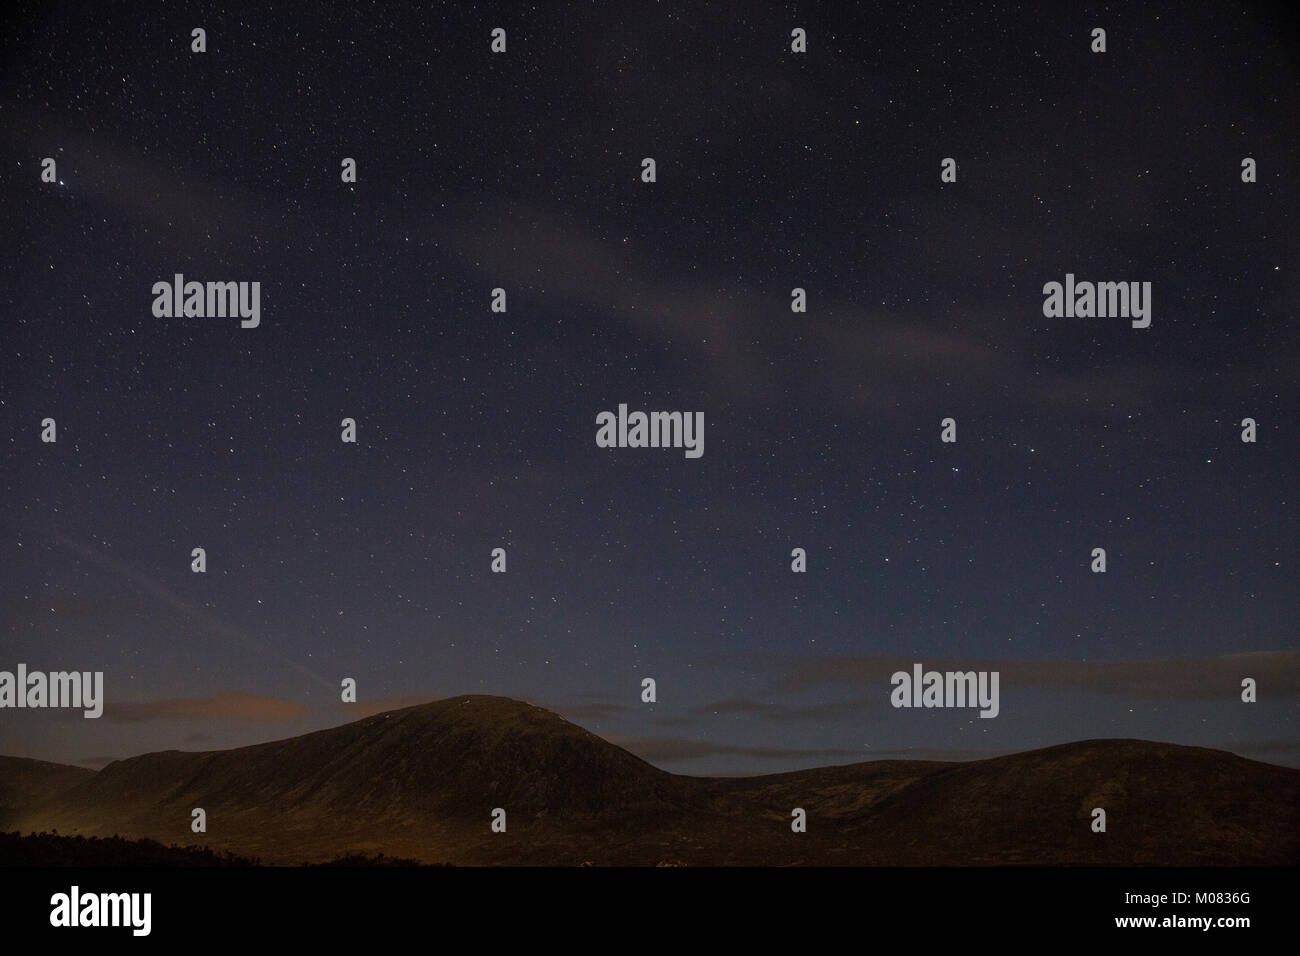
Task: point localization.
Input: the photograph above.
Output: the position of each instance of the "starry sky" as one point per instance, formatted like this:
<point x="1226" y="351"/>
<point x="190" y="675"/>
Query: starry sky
<point x="476" y="429"/>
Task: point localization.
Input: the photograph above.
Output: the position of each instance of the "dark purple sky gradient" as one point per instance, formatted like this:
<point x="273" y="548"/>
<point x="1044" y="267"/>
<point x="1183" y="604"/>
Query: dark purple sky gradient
<point x="477" y="430"/>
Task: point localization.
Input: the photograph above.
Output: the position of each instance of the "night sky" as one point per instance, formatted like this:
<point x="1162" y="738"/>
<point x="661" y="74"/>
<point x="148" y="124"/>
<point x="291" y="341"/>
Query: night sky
<point x="476" y="429"/>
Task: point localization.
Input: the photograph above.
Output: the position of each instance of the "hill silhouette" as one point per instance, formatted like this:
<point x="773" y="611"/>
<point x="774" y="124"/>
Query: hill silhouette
<point x="422" y="782"/>
<point x="28" y="783"/>
<point x="51" y="849"/>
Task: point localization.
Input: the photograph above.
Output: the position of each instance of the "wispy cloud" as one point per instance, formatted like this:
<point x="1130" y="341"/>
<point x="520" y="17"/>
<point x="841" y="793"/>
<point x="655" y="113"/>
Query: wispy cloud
<point x="729" y="336"/>
<point x="205" y="619"/>
<point x="193" y="212"/>
<point x="221" y="706"/>
<point x="591" y="710"/>
<point x="772" y="710"/>
<point x="676" y="749"/>
<point x="1204" y="678"/>
<point x="379" y="705"/>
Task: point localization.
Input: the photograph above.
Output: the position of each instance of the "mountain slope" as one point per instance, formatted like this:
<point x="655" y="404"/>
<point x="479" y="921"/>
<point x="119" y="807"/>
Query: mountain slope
<point x="28" y="783"/>
<point x="1164" y="804"/>
<point x="422" y="782"/>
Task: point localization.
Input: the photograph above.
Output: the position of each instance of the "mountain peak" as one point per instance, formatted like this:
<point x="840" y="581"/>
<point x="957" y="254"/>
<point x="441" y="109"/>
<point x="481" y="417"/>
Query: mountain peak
<point x="424" y="781"/>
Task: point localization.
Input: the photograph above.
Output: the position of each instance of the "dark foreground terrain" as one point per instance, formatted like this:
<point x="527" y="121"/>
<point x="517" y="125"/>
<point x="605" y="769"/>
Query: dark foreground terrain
<point x="421" y="784"/>
<point x="52" y="849"/>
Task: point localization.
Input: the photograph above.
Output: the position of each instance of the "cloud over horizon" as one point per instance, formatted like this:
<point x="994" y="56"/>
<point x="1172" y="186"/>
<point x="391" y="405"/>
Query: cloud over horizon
<point x="225" y="706"/>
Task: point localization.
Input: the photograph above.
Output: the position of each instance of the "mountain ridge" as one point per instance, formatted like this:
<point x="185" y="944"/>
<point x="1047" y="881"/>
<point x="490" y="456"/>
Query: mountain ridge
<point x="423" y="781"/>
